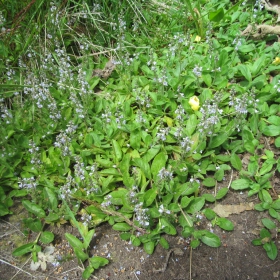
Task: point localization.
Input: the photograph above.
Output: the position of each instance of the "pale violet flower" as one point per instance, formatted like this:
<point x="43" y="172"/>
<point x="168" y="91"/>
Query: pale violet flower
<point x="43" y="258"/>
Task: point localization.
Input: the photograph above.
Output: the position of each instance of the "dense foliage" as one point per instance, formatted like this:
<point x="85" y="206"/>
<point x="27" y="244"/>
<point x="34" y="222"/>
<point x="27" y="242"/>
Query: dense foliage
<point x="133" y="113"/>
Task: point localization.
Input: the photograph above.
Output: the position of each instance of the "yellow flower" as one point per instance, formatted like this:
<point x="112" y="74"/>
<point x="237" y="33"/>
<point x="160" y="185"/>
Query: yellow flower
<point x="276" y="61"/>
<point x="194" y="102"/>
<point x="197" y="38"/>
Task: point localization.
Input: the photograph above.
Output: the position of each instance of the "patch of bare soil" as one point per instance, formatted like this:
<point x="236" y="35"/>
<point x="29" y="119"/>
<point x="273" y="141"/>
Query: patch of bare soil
<point x="237" y="258"/>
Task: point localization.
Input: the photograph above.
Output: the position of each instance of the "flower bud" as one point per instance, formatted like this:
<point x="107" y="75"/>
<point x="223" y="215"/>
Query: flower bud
<point x="276" y="61"/>
<point x="194" y="102"/>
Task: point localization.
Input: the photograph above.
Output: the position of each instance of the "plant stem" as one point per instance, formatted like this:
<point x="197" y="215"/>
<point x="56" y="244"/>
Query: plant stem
<point x="111" y="213"/>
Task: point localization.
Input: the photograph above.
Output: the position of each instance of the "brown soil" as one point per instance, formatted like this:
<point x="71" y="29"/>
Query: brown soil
<point x="237" y="258"/>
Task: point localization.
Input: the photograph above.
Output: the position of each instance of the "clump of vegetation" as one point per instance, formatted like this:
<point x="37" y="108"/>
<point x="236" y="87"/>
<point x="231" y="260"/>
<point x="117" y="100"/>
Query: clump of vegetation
<point x="124" y="111"/>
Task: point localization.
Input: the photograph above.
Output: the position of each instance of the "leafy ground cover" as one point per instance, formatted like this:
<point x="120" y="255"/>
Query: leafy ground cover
<point x="142" y="115"/>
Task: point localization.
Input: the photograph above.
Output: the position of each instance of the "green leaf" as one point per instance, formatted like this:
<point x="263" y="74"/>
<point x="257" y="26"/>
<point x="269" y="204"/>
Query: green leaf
<point x="257" y="242"/>
<point x="150" y="196"/>
<point x="209" y="182"/>
<point x="121" y="227"/>
<point x="143" y="165"/>
<point x="185" y="220"/>
<point x="4" y="210"/>
<point x="118" y="196"/>
<point x="135" y="241"/>
<point x="259" y="207"/>
<point x="209" y="197"/>
<point x="168" y="227"/>
<point x="124" y="164"/>
<point x="276" y="204"/>
<point x="225" y="224"/>
<point x="211" y="240"/>
<point x="52" y="217"/>
<point x="195" y="243"/>
<point x="247" y="48"/>
<point x="221" y="193"/>
<point x="219" y="174"/>
<point x="247" y="135"/>
<point x="185" y="201"/>
<point x="50" y="197"/>
<point x="217" y="15"/>
<point x="33" y="224"/>
<point x="265" y="196"/>
<point x="266" y="167"/>
<point x="274" y="120"/>
<point x="187" y="231"/>
<point x="117" y="150"/>
<point x="125" y="236"/>
<point x="240" y="184"/>
<point x="46" y="237"/>
<point x="271" y="250"/>
<point x="88" y="140"/>
<point x="245" y="70"/>
<point x="258" y="64"/>
<point x="268" y="223"/>
<point x="88" y="237"/>
<point x="277" y="142"/>
<point x="151" y="153"/>
<point x="74" y="241"/>
<point x="149" y="247"/>
<point x="264" y="233"/>
<point x="209" y="214"/>
<point x="207" y="79"/>
<point x="236" y="162"/>
<point x="164" y="243"/>
<point x="22" y="250"/>
<point x="87" y="272"/>
<point x="249" y="147"/>
<point x="223" y="58"/>
<point x="80" y="254"/>
<point x="271" y="130"/>
<point x="218" y="140"/>
<point x="191" y="124"/>
<point x="96" y="262"/>
<point x="195" y="205"/>
<point x="274" y="214"/>
<point x="33" y="208"/>
<point x="157" y="164"/>
<point x="135" y="139"/>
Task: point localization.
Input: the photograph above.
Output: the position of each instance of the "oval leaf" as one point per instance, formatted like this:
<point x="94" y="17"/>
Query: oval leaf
<point x="149" y="247"/>
<point x="209" y="182"/>
<point x="33" y="208"/>
<point x="196" y="205"/>
<point x="47" y="237"/>
<point x="22" y="250"/>
<point x="271" y="251"/>
<point x="240" y="184"/>
<point x="96" y="261"/>
<point x="268" y="223"/>
<point x="158" y="163"/>
<point x="217" y="15"/>
<point x="221" y="193"/>
<point x="121" y="227"/>
<point x="225" y="224"/>
<point x="218" y="140"/>
<point x="74" y="241"/>
<point x="150" y="196"/>
<point x="50" y="197"/>
<point x="271" y="130"/>
<point x="236" y="162"/>
<point x="164" y="243"/>
<point x="211" y="240"/>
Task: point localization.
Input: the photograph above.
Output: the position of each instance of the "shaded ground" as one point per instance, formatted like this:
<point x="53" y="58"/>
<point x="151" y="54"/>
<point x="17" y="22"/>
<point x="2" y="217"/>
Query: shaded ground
<point x="237" y="258"/>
